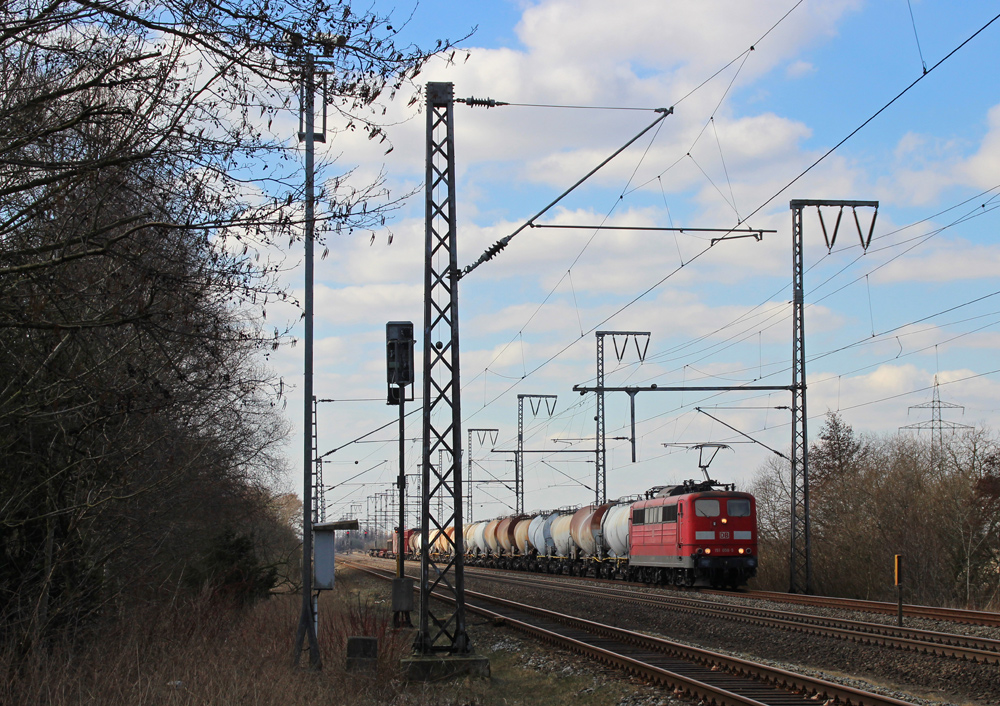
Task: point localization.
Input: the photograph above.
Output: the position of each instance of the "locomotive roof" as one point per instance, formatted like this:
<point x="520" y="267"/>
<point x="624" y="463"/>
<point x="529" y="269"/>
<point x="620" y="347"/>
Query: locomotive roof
<point x="670" y="499"/>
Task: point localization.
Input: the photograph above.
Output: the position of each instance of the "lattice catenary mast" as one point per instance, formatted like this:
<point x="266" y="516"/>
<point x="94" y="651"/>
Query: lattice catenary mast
<point x="442" y="627"/>
<point x="800" y="566"/>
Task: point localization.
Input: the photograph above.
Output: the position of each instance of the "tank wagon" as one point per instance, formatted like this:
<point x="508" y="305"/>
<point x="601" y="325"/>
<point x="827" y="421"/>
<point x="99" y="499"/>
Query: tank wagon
<point x="699" y="533"/>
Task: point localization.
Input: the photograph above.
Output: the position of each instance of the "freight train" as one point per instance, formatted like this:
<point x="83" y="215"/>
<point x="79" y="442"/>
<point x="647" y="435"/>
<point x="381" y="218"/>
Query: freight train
<point x="699" y="533"/>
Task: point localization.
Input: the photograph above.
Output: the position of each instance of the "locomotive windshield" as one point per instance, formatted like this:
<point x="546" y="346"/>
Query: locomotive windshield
<point x="738" y="507"/>
<point x="706" y="507"/>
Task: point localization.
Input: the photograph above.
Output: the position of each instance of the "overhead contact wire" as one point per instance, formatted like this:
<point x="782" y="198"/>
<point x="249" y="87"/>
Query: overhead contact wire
<point x="881" y="110"/>
<point x="755" y="211"/>
<point x="497" y="247"/>
<point x="503" y="242"/>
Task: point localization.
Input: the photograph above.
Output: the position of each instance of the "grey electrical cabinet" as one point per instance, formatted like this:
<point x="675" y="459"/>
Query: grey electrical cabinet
<point x="324" y="538"/>
<point x="323" y="562"/>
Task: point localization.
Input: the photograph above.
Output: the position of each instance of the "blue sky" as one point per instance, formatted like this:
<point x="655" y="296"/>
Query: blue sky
<point x="724" y="317"/>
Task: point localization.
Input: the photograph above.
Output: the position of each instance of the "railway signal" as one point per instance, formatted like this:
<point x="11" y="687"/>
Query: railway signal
<point x="399" y="374"/>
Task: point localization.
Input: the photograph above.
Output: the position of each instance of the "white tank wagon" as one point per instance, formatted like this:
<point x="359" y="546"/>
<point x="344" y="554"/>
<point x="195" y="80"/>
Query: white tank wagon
<point x="609" y="525"/>
<point x="615" y="528"/>
<point x="433" y="537"/>
<point x="470" y="538"/>
<point x="540" y="533"/>
<point x="467" y="536"/>
<point x="479" y="538"/>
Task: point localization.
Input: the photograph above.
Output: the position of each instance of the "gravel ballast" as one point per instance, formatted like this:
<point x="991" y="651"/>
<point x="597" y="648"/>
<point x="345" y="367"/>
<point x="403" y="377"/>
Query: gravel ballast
<point x="903" y="675"/>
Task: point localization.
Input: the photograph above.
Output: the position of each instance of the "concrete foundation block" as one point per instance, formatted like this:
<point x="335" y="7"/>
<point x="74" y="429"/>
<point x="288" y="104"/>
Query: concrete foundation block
<point x="362" y="653"/>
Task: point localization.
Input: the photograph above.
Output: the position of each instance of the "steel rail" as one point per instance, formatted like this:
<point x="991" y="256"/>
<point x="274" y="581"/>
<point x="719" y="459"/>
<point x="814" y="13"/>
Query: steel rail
<point x="982" y="618"/>
<point x="810" y="689"/>
<point x="758" y="681"/>
<point x="957" y="615"/>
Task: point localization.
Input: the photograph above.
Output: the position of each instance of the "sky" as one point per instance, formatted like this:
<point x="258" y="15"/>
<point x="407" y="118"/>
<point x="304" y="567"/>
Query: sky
<point x="750" y="130"/>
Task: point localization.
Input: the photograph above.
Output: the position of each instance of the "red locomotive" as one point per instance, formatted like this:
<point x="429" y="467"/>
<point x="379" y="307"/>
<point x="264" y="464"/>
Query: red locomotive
<point x="694" y="534"/>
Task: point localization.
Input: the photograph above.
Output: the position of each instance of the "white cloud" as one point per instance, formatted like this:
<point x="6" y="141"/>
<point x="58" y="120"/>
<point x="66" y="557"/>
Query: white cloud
<point x="799" y="69"/>
<point x="511" y="161"/>
<point x="982" y="168"/>
<point x="593" y="53"/>
<point x="926" y="166"/>
<point x="371" y="303"/>
<point x="945" y="261"/>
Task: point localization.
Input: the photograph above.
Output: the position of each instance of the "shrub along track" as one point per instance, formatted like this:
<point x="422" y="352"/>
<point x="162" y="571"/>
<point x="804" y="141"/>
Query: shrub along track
<point x="697" y="673"/>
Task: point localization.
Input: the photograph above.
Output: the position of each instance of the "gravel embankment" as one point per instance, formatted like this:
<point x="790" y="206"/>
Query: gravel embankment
<point x="904" y="675"/>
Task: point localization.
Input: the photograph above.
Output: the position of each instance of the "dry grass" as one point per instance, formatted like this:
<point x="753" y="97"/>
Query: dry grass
<point x="205" y="655"/>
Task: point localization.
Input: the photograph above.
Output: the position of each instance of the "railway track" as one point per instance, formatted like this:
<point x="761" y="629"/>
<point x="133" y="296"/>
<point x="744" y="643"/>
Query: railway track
<point x="963" y="647"/>
<point x="698" y="674"/>
<point x="956" y="615"/>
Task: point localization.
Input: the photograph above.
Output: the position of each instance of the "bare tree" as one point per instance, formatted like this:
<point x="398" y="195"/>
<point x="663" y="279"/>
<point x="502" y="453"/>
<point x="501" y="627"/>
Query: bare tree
<point x="876" y="496"/>
<point x="138" y="186"/>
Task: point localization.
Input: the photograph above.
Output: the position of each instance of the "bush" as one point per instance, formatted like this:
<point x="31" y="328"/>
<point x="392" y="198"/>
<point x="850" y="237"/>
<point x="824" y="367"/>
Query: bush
<point x="232" y="572"/>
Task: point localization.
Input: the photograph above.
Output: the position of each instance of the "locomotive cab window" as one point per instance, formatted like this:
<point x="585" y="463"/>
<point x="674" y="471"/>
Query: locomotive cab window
<point x="738" y="507"/>
<point x="638" y="517"/>
<point x="706" y="507"/>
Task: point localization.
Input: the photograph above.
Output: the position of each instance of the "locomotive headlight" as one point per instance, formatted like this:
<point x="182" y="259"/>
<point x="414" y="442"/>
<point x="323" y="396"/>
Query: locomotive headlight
<point x="723" y="520"/>
<point x="708" y="551"/>
<point x="741" y="550"/>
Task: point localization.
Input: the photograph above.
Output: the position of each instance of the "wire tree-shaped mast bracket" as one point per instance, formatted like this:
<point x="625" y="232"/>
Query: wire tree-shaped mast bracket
<point x="535" y="401"/>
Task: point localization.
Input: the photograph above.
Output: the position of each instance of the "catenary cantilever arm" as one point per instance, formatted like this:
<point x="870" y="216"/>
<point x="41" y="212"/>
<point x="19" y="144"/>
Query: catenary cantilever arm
<point x="502" y="243"/>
